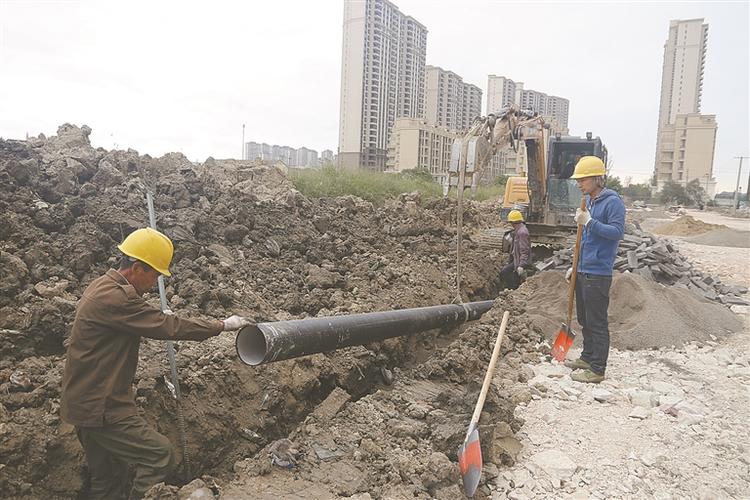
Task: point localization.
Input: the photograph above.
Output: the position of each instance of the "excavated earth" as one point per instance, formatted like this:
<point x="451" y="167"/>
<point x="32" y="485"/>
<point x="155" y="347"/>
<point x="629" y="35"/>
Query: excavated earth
<point x="248" y="243"/>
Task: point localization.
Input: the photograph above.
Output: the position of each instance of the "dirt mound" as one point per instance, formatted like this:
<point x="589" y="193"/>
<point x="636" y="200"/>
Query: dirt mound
<point x="723" y="238"/>
<point x="686" y="226"/>
<point x="642" y="314"/>
<point x="246" y="242"/>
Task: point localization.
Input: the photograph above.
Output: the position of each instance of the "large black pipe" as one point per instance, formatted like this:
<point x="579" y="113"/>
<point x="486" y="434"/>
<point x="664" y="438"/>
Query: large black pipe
<point x="268" y="342"/>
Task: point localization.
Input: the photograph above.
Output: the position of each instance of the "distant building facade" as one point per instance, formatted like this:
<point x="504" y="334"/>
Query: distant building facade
<point x="382" y="78"/>
<point x="417" y="144"/>
<point x="300" y="158"/>
<point x="326" y="157"/>
<point x="449" y="101"/>
<point x="502" y="92"/>
<point x="686" y="151"/>
<point x="685" y="138"/>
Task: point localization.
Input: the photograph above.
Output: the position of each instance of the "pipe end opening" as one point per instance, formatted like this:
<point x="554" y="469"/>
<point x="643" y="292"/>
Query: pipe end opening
<point x="251" y="345"/>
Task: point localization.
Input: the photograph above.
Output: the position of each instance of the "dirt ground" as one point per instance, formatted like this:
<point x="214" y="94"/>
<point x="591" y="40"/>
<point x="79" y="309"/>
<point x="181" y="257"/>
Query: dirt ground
<point x="382" y="420"/>
<point x="246" y="243"/>
<point x="666" y="423"/>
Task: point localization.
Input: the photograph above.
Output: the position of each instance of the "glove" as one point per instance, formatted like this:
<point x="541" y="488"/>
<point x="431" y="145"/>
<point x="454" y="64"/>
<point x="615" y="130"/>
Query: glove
<point x="521" y="272"/>
<point x="235" y="322"/>
<point x="582" y="217"/>
<point x="568" y="274"/>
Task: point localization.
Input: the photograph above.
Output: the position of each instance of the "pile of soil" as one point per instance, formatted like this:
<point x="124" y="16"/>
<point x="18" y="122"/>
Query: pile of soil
<point x="686" y="226"/>
<point x="725" y="237"/>
<point x="642" y="314"/>
<point x="402" y="441"/>
<point x="246" y="242"/>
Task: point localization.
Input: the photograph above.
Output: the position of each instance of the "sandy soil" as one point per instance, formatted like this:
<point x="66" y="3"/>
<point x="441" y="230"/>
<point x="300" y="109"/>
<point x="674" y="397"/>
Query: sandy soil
<point x="718" y="218"/>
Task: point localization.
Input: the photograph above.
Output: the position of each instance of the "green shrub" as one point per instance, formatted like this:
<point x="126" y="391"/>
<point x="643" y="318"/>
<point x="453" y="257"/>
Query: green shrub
<point x="366" y="184"/>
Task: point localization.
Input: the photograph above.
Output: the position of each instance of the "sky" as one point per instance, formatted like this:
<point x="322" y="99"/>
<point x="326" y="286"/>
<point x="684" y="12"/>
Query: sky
<point x="185" y="76"/>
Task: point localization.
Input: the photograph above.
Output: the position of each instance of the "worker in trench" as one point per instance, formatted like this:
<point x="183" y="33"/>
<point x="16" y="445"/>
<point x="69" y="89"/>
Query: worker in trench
<point x="102" y="357"/>
<point x="603" y="224"/>
<point x="514" y="272"/>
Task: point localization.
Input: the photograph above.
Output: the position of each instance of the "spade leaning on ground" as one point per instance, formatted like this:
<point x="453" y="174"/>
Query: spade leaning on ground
<point x="102" y="357"/>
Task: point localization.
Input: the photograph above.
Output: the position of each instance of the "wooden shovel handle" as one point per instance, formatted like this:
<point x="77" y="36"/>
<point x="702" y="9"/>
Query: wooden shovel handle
<point x="574" y="274"/>
<point x="490" y="373"/>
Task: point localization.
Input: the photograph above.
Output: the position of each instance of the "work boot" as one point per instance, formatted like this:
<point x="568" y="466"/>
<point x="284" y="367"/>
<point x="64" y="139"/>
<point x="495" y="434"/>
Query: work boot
<point x="587" y="377"/>
<point x="578" y="364"/>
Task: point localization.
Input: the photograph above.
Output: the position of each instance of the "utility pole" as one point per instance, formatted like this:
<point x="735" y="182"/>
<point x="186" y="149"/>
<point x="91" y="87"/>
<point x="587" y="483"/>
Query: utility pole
<point x="737" y="188"/>
<point x="243" y="141"/>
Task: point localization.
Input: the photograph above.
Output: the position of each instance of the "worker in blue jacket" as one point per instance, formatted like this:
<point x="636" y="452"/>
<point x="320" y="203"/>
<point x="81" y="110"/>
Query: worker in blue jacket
<point x="603" y="224"/>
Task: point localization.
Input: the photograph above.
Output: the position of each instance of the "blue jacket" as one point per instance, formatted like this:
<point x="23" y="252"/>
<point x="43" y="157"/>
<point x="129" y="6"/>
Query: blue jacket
<point x="602" y="234"/>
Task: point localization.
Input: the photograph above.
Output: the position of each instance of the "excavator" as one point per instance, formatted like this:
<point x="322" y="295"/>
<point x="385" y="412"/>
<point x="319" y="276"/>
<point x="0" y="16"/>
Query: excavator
<point x="545" y="193"/>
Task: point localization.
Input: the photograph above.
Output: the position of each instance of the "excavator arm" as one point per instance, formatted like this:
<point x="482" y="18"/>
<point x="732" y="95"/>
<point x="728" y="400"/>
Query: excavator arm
<point x="489" y="134"/>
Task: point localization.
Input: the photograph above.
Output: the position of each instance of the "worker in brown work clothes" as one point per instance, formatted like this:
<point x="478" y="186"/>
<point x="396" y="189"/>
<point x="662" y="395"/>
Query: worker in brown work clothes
<point x="102" y="356"/>
<point x="514" y="272"/>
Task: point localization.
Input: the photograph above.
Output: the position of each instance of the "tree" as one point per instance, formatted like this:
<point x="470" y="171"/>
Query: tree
<point x="614" y="184"/>
<point x="695" y="192"/>
<point x="674" y="193"/>
<point x="501" y="180"/>
<point x="637" y="192"/>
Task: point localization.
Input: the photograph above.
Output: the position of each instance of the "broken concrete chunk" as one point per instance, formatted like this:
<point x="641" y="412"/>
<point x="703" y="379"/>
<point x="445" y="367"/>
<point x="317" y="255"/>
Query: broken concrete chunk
<point x="642" y="398"/>
<point x="331" y="405"/>
<point x="602" y="395"/>
<point x="555" y="464"/>
<point x="639" y="412"/>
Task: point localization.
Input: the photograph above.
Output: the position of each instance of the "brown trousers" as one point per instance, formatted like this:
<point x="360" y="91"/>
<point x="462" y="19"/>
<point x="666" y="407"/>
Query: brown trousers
<point x="111" y="449"/>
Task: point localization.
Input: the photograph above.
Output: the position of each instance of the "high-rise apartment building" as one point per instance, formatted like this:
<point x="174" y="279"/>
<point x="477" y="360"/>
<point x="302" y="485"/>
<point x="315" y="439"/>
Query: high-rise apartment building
<point x="685" y="138"/>
<point x="502" y="92"/>
<point x="687" y="149"/>
<point x="382" y="78"/>
<point x="449" y="101"/>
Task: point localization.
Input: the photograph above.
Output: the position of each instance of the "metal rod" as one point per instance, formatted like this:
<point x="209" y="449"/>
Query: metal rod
<point x="736" y="199"/>
<point x="267" y="342"/>
<point x="171" y="352"/>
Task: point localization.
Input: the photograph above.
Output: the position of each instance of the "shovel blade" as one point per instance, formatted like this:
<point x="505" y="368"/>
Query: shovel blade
<point x="470" y="463"/>
<point x="564" y="340"/>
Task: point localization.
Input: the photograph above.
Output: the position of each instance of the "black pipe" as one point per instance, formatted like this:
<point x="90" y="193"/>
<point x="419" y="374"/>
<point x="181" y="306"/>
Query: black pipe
<point x="268" y="342"/>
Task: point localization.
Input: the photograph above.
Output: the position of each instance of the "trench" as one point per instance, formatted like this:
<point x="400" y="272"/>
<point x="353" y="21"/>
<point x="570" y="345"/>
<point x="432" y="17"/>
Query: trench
<point x="228" y="440"/>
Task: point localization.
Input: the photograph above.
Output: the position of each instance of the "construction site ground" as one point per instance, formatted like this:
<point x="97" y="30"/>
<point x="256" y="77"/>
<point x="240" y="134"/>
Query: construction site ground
<point x="382" y="420"/>
<point x="668" y="422"/>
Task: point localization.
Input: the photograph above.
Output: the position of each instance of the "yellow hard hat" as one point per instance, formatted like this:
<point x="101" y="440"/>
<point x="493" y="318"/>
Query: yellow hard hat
<point x="149" y="246"/>
<point x="515" y="216"/>
<point x="589" y="166"/>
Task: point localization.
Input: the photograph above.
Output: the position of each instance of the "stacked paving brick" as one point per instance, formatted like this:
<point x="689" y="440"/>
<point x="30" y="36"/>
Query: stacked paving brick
<point x="658" y="260"/>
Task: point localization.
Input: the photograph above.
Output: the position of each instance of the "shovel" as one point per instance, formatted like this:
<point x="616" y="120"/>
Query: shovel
<point x="566" y="335"/>
<point x="470" y="453"/>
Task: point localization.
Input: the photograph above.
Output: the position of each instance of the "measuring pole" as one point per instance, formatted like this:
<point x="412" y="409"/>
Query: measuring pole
<point x="171" y="352"/>
<point x="737" y="187"/>
<point x="460" y="215"/>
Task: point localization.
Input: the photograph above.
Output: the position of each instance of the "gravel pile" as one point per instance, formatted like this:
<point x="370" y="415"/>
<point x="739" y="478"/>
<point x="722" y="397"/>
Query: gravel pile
<point x="656" y="259"/>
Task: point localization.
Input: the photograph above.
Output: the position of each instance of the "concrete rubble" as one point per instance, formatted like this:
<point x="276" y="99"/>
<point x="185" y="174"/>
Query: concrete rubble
<point x="657" y="259"/>
<point x="646" y="424"/>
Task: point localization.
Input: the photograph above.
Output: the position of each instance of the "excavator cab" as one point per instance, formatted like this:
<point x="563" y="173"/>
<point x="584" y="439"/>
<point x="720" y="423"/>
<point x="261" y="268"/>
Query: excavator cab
<point x="563" y="195"/>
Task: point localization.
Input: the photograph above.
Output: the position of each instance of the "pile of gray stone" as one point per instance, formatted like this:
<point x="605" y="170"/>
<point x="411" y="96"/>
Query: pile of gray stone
<point x="658" y="260"/>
